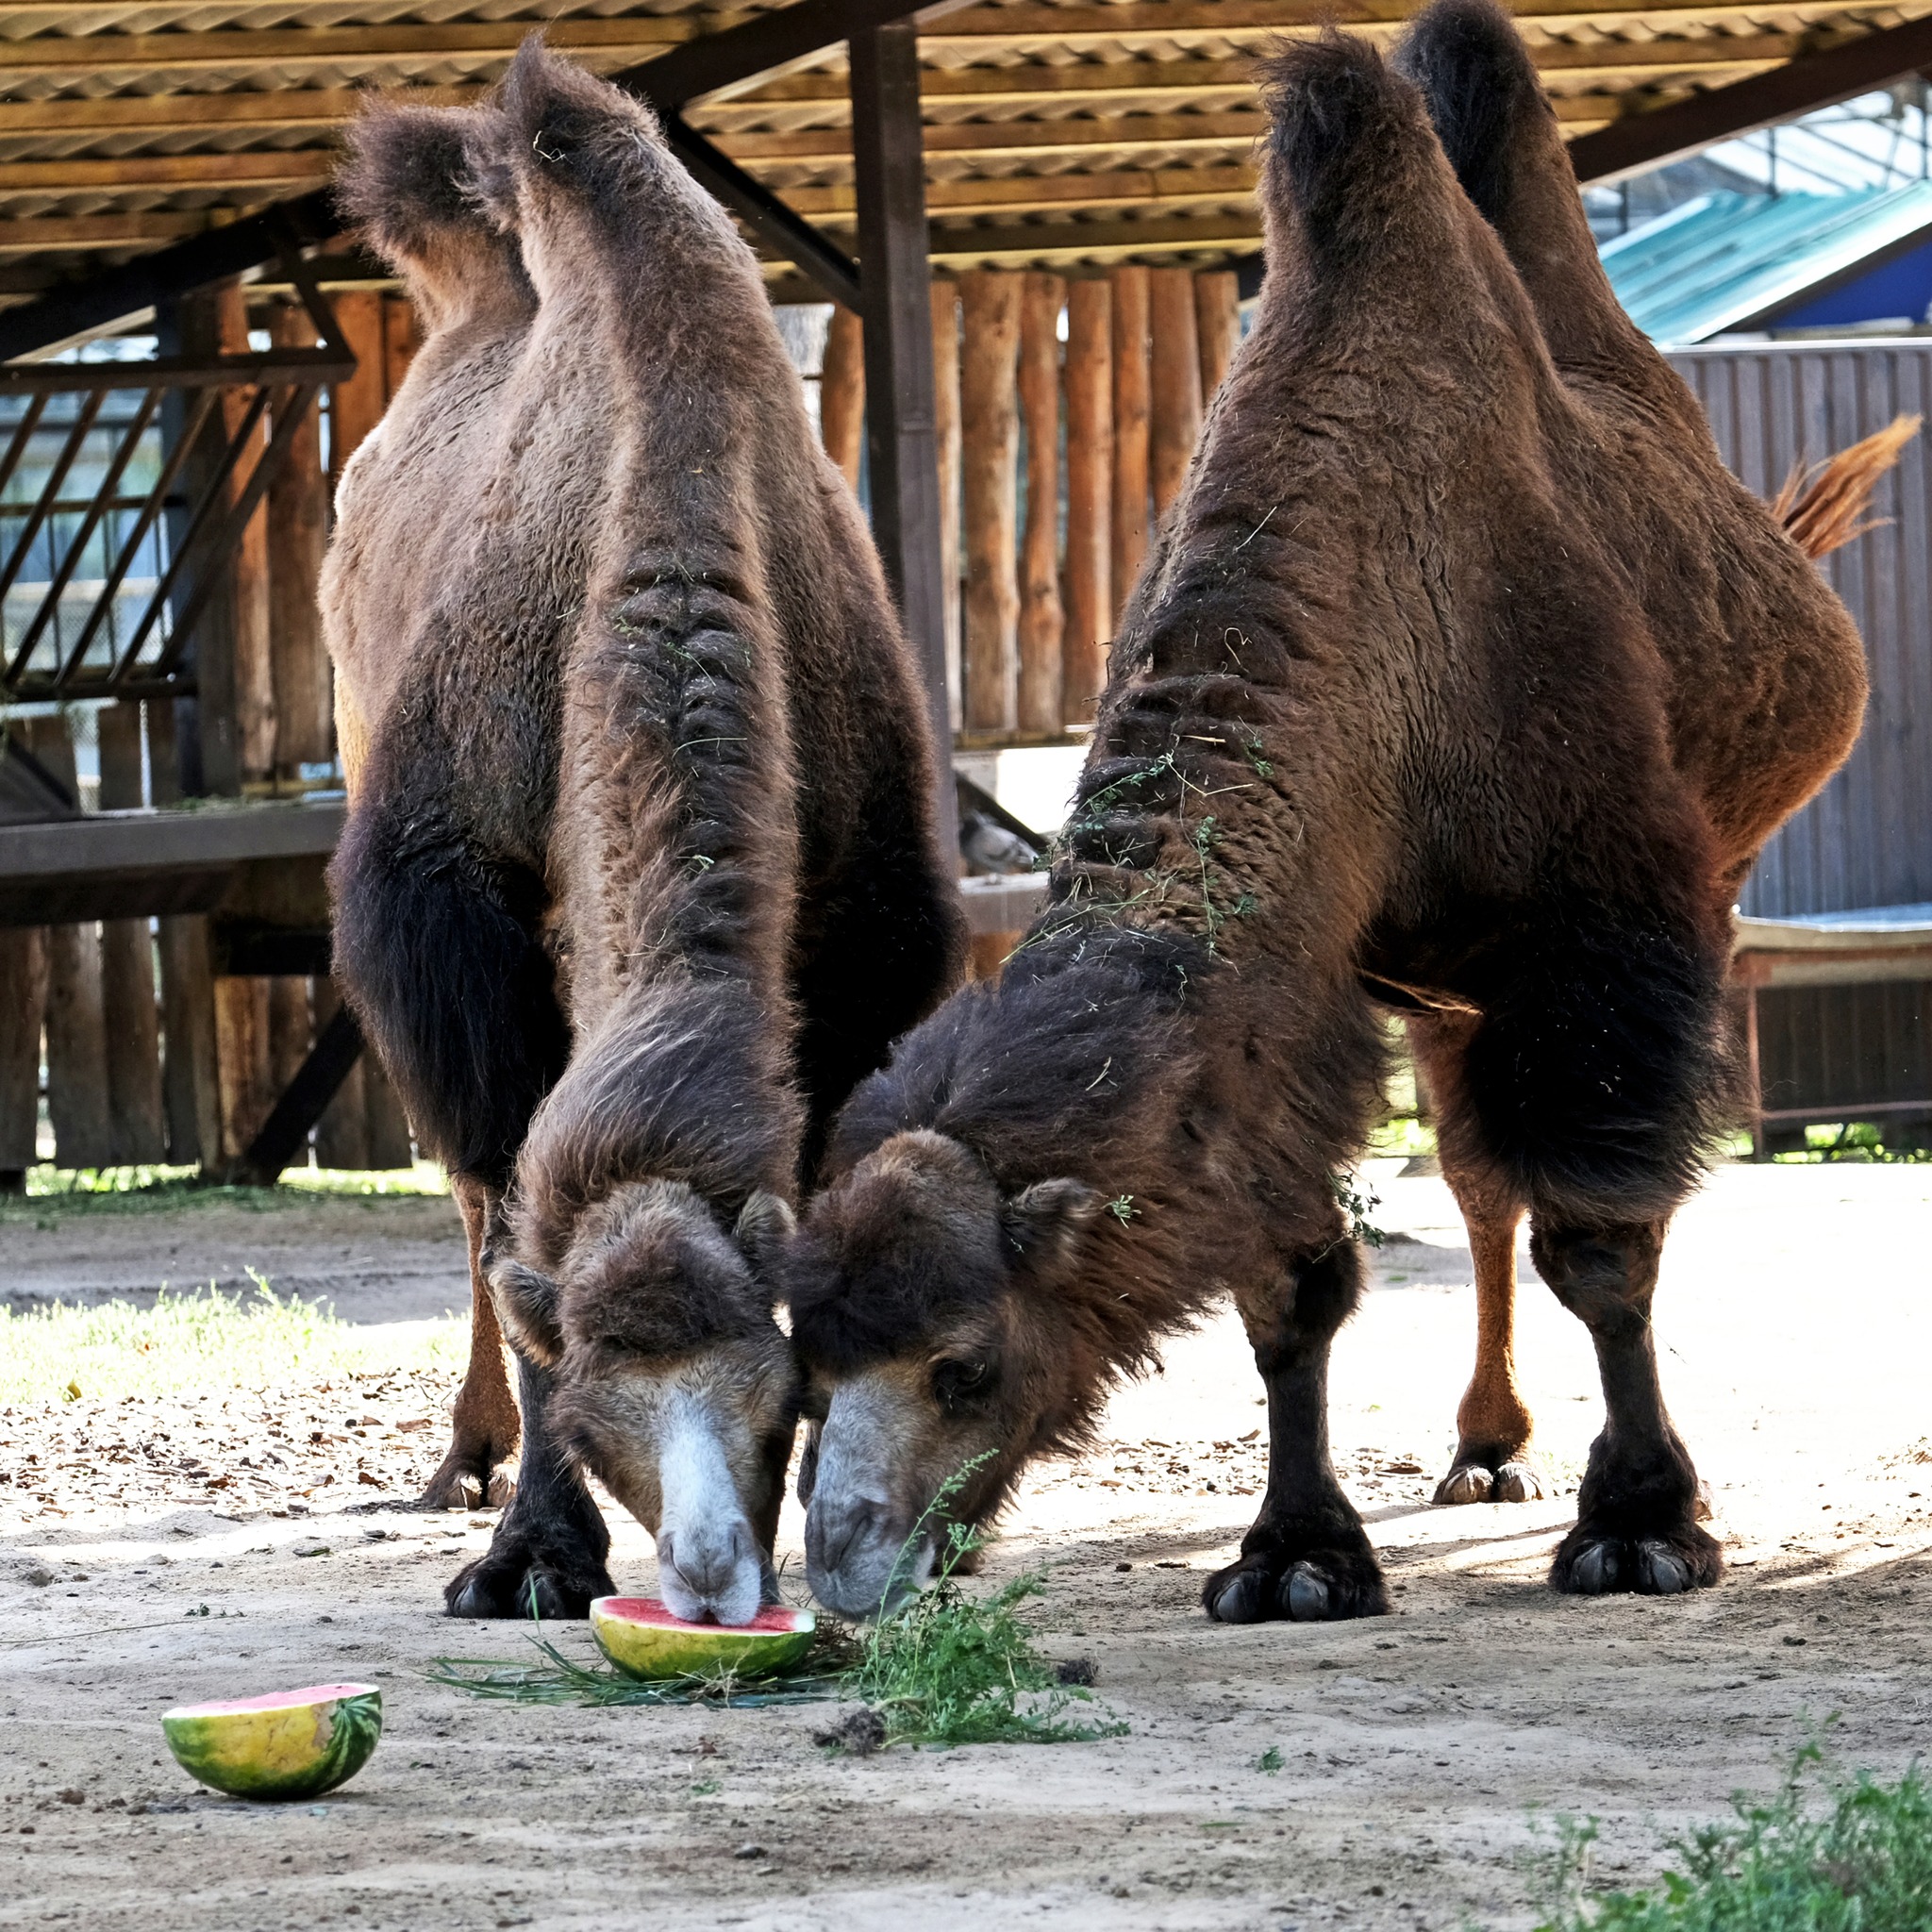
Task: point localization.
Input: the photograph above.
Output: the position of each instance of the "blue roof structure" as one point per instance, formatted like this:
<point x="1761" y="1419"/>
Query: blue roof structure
<point x="1730" y="261"/>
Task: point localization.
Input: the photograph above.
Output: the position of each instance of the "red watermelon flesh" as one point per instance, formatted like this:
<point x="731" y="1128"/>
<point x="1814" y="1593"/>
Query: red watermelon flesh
<point x="773" y="1620"/>
<point x="275" y="1700"/>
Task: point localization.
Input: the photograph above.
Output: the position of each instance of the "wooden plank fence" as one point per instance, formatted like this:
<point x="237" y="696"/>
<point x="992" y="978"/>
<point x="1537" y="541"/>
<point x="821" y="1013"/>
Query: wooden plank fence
<point x="1067" y="411"/>
<point x="146" y="1051"/>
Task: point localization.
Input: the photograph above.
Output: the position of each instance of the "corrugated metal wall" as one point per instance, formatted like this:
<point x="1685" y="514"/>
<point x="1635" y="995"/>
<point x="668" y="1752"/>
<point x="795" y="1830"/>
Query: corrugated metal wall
<point x="1866" y="839"/>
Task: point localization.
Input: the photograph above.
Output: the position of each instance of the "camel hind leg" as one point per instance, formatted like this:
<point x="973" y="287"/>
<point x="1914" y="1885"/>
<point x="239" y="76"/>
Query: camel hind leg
<point x="486" y="1426"/>
<point x="1493" y="1423"/>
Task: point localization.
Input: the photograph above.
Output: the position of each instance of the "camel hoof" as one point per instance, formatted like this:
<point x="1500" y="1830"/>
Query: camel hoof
<point x="1661" y="1571"/>
<point x="1468" y="1482"/>
<point x="1704" y="1509"/>
<point x="502" y="1492"/>
<point x="1518" y="1482"/>
<point x="1307" y="1596"/>
<point x="1593" y="1570"/>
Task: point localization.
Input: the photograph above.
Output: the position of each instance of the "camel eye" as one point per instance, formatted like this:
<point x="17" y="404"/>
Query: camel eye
<point x="954" y="1382"/>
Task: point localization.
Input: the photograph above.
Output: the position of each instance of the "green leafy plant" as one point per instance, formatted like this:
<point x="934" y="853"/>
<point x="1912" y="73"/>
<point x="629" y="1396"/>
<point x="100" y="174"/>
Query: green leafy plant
<point x="1824" y="1854"/>
<point x="1357" y="1203"/>
<point x="1271" y="1760"/>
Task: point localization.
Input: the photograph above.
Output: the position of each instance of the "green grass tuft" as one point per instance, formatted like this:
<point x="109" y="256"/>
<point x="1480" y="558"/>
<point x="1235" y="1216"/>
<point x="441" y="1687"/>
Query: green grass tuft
<point x="194" y="1344"/>
<point x="1858" y="1862"/>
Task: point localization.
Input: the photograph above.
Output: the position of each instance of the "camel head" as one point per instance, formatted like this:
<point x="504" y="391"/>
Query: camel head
<point x="937" y="1356"/>
<point x="673" y="1383"/>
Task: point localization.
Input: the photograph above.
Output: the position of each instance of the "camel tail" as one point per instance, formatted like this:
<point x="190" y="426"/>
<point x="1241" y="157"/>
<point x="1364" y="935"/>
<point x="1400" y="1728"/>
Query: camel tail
<point x="1481" y="86"/>
<point x="404" y="181"/>
<point x="1823" y="507"/>
<point x="1338" y="119"/>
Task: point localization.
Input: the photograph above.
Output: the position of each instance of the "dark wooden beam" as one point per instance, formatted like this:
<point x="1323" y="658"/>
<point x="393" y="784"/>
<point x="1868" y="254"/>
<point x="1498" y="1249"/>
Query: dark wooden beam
<point x="828" y="265"/>
<point x="699" y="67"/>
<point x="1812" y="80"/>
<point x="309" y="1093"/>
<point x="896" y="287"/>
<point x="123" y="294"/>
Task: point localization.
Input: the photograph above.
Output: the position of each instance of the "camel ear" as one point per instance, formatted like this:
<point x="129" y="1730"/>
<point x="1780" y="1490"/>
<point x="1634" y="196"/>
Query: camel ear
<point x="764" y="1228"/>
<point x="527" y="1308"/>
<point x="1044" y="1224"/>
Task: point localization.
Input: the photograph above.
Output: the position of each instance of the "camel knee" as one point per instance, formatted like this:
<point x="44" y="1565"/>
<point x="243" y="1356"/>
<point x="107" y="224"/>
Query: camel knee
<point x="1604" y="1276"/>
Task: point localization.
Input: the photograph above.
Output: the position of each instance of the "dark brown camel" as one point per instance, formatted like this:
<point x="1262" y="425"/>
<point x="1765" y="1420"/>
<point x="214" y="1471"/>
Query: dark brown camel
<point x="1757" y="727"/>
<point x="640" y="876"/>
<point x="1391" y="709"/>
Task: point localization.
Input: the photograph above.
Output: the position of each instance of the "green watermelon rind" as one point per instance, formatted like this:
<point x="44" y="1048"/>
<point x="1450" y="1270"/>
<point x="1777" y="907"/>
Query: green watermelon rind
<point x="654" y="1653"/>
<point x="203" y="1747"/>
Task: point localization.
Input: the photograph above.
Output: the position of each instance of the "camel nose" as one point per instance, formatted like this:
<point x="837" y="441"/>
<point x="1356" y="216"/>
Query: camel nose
<point x="711" y="1573"/>
<point x="833" y="1531"/>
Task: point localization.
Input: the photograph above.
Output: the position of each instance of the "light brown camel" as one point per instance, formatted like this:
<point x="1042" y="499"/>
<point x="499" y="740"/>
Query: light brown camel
<point x="641" y="873"/>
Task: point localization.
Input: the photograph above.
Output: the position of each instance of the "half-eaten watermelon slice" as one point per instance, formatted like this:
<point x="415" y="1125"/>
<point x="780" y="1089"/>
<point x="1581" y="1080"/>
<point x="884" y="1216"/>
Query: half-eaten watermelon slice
<point x="288" y="1745"/>
<point x="643" y="1640"/>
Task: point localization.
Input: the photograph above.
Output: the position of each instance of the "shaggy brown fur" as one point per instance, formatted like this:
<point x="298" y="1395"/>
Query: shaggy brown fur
<point x="1767" y="683"/>
<point x="1441" y="653"/>
<point x="641" y="832"/>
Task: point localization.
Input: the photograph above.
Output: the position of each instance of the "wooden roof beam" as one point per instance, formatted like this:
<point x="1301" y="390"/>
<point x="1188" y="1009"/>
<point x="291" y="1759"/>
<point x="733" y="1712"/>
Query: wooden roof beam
<point x="1803" y="85"/>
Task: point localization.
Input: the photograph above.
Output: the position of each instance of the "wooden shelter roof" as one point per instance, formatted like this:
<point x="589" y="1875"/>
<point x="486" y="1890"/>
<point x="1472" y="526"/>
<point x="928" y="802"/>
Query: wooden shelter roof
<point x="1055" y="134"/>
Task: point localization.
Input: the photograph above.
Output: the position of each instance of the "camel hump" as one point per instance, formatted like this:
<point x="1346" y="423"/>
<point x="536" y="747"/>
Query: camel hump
<point x="1481" y="88"/>
<point x="1341" y="123"/>
<point x="406" y="180"/>
<point x="554" y="123"/>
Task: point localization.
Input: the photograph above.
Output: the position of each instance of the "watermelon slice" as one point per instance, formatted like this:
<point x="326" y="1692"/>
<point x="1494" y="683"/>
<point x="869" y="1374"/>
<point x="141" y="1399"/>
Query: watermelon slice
<point x="288" y="1745"/>
<point x="643" y="1640"/>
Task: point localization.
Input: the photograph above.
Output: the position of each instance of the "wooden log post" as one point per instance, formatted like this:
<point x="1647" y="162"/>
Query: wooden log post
<point x="1132" y="375"/>
<point x="131" y="1019"/>
<point x="23" y="1009"/>
<point x="297" y="532"/>
<point x="77" y="1102"/>
<point x="190" y="1086"/>
<point x="989" y="444"/>
<point x="1218" y="324"/>
<point x="1042" y="621"/>
<point x="1090" y="496"/>
<point x="1175" y="381"/>
<point x="945" y="435"/>
<point x="842" y="394"/>
<point x="242" y="1054"/>
<point x="895" y="289"/>
<point x="365" y="1126"/>
<point x="341" y="1135"/>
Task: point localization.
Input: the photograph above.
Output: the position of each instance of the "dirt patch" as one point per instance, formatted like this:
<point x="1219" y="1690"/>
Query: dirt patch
<point x="1411" y="1750"/>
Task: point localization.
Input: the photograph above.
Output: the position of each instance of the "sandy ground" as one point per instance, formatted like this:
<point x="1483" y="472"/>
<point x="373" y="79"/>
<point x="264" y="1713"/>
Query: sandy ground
<point x="1414" y="1750"/>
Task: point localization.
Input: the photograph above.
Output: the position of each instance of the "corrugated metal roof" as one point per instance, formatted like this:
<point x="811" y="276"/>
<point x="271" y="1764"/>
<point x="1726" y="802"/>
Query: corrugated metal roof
<point x="1728" y="261"/>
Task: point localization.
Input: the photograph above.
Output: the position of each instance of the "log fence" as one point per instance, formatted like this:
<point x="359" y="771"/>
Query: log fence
<point x="1067" y="411"/>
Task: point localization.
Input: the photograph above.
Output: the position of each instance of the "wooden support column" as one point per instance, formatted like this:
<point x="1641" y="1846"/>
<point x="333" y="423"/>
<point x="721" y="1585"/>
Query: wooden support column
<point x="130" y="1020"/>
<point x="1041" y="620"/>
<point x="190" y="1086"/>
<point x="842" y="394"/>
<point x="78" y="1100"/>
<point x="365" y="1126"/>
<point x="1131" y="350"/>
<point x="341" y="1135"/>
<point x="989" y="437"/>
<point x="22" y="1007"/>
<point x="889" y="166"/>
<point x="297" y="532"/>
<point x="1218" y="324"/>
<point x="945" y="437"/>
<point x="1089" y="495"/>
<point x="1175" y="381"/>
